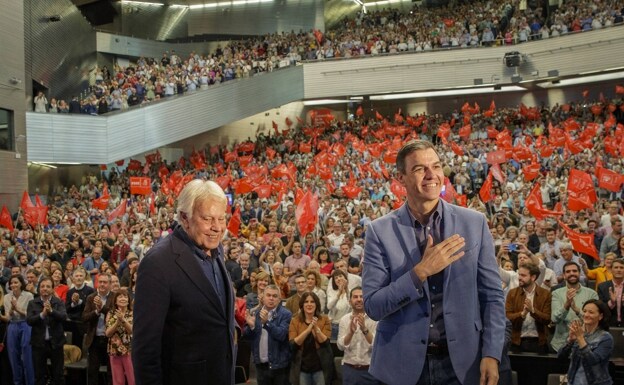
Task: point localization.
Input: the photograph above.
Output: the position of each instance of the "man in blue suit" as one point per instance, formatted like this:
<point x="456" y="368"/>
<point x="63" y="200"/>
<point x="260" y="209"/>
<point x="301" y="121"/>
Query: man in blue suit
<point x="430" y="278"/>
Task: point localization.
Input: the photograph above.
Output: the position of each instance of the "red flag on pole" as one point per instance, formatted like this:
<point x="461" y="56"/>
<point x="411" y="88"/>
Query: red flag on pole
<point x="497" y="173"/>
<point x="235" y="222"/>
<point x="140" y="185"/>
<point x="26" y="202"/>
<point x="152" y="206"/>
<point x="496" y="157"/>
<point x="583" y="243"/>
<point x="486" y="189"/>
<point x="581" y="192"/>
<point x="307" y="213"/>
<point x="118" y="211"/>
<point x="359" y="111"/>
<point x="610" y="180"/>
<point x="5" y="218"/>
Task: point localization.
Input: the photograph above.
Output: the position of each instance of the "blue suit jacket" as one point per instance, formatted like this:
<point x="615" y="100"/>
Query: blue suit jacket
<point x="474" y="306"/>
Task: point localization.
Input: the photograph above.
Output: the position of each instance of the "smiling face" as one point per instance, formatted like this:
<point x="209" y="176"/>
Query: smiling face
<point x="423" y="179"/>
<point x="207" y="225"/>
<point x="591" y="316"/>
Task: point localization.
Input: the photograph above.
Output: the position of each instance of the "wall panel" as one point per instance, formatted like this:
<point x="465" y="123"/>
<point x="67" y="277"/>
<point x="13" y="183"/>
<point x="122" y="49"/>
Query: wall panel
<point x="59" y="54"/>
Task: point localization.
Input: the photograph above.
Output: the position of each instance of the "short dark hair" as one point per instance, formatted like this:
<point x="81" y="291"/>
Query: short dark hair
<point x="20" y="279"/>
<point x="410" y="147"/>
<point x="45" y="278"/>
<point x="354" y="289"/>
<point x="604" y="310"/>
<point x="570" y="263"/>
<point x="121" y="291"/>
<point x="531" y="268"/>
<point x="618" y="260"/>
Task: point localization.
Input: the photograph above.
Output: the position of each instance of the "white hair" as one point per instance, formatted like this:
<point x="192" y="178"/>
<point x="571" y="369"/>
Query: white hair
<point x="195" y="191"/>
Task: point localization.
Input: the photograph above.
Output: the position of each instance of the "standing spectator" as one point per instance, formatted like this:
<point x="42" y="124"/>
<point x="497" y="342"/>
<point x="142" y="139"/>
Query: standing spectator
<point x="567" y="302"/>
<point x="309" y="331"/>
<point x="60" y="288"/>
<point x="338" y="303"/>
<point x="75" y="304"/>
<point x="612" y="293"/>
<point x="313" y="284"/>
<point x="610" y="242"/>
<point x="355" y="338"/>
<point x="292" y="303"/>
<point x="119" y="333"/>
<point x="41" y="102"/>
<point x="93" y="263"/>
<point x="94" y="318"/>
<point x="268" y="330"/>
<point x="528" y="308"/>
<point x="601" y="273"/>
<point x="296" y="263"/>
<point x="46" y="315"/>
<point x="589" y="346"/>
<point x="18" y="332"/>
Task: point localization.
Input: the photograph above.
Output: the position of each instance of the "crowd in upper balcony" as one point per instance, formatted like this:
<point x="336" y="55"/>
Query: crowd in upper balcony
<point x="388" y="31"/>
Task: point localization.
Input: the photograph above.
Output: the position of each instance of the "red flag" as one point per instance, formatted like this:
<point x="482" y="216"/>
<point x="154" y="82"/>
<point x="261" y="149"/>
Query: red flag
<point x="610" y="180"/>
<point x="462" y="200"/>
<point x="535" y="206"/>
<point x="36" y="215"/>
<point x="307" y="213"/>
<point x="351" y="192"/>
<point x="118" y="211"/>
<point x="26" y="202"/>
<point x="359" y="111"/>
<point x="531" y="171"/>
<point x="274" y="126"/>
<point x="619" y="89"/>
<point x="585" y="93"/>
<point x="318" y="35"/>
<point x="496" y="157"/>
<point x="263" y="191"/>
<point x="235" y="222"/>
<point x="378" y="116"/>
<point x="5" y="218"/>
<point x="140" y="185"/>
<point x="583" y="243"/>
<point x="486" y="189"/>
<point x="497" y="173"/>
<point x="465" y="131"/>
<point x="457" y="149"/>
<point x="38" y="202"/>
<point x="398" y="189"/>
<point x="270" y="153"/>
<point x="288" y="122"/>
<point x="448" y="193"/>
<point x="223" y="181"/>
<point x="492" y="132"/>
<point x="581" y="192"/>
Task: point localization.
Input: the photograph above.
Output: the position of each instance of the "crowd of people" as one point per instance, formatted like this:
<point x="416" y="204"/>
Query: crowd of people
<point x="80" y="267"/>
<point x="387" y="31"/>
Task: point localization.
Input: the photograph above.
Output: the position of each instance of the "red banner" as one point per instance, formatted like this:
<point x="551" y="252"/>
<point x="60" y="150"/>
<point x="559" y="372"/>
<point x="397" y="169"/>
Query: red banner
<point x="140" y="185"/>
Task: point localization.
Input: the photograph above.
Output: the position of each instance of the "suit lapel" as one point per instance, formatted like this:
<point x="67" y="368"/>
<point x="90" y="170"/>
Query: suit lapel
<point x="190" y="266"/>
<point x="407" y="233"/>
<point x="448" y="229"/>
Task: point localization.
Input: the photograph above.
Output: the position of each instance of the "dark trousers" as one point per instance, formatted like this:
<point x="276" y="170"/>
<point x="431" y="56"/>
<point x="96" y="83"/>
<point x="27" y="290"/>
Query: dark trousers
<point x="267" y="376"/>
<point x="438" y="369"/>
<point x="353" y="376"/>
<point x="40" y="361"/>
<point x="98" y="356"/>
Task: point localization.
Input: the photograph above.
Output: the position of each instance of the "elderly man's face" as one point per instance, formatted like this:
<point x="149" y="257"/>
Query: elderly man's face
<point x="207" y="225"/>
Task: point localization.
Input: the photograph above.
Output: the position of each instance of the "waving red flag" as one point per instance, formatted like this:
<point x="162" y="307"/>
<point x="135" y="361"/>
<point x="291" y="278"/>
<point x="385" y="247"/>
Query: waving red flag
<point x="306" y="213"/>
<point x="359" y="111"/>
<point x="235" y="222"/>
<point x="288" y="122"/>
<point x="531" y="171"/>
<point x="398" y="189"/>
<point x="378" y="116"/>
<point x="486" y="189"/>
<point x="118" y="211"/>
<point x="492" y="132"/>
<point x="448" y="193"/>
<point x="6" y="220"/>
<point x="26" y="202"/>
<point x="36" y="215"/>
<point x="465" y="131"/>
<point x="263" y="191"/>
<point x="498" y="174"/>
<point x="581" y="192"/>
<point x="610" y="180"/>
<point x="351" y="192"/>
<point x="496" y="157"/>
<point x="583" y="243"/>
<point x="457" y="149"/>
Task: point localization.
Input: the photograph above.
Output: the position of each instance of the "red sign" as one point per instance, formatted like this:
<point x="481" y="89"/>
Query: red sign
<point x="140" y="185"/>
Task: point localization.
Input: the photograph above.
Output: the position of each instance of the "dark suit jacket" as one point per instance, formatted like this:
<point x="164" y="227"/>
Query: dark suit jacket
<point x="182" y="333"/>
<point x="542" y="301"/>
<point x="603" y="294"/>
<point x="55" y="322"/>
<point x="90" y="318"/>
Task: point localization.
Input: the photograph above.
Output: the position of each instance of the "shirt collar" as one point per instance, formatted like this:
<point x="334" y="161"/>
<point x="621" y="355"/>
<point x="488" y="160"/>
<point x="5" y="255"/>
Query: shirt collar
<point x="435" y="216"/>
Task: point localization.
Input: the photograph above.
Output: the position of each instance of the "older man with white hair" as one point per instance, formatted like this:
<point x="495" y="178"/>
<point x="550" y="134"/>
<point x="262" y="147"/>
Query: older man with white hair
<point x="567" y="255"/>
<point x="184" y="300"/>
